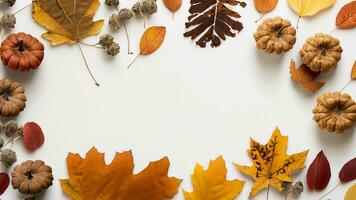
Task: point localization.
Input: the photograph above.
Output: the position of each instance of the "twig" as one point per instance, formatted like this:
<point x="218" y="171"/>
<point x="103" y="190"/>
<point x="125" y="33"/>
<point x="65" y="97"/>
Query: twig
<point x="22" y="8"/>
<point x="86" y="65"/>
<point x="330" y="191"/>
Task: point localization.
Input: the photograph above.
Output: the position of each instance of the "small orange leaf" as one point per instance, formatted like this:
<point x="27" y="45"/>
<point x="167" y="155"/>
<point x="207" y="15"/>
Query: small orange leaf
<point x="152" y="39"/>
<point x="173" y="5"/>
<point x="265" y="6"/>
<point x="346" y="18"/>
<point x="304" y="76"/>
<point x="353" y="72"/>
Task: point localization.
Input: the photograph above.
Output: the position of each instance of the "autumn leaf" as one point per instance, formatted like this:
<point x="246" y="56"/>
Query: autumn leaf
<point x="265" y="6"/>
<point x="351" y="193"/>
<point x="305" y="77"/>
<point x="211" y="21"/>
<point x="33" y="137"/>
<point x="151" y="40"/>
<point x="348" y="171"/>
<point x="309" y="7"/>
<point x="346" y="17"/>
<point x="211" y="184"/>
<point x="173" y="5"/>
<point x="67" y="21"/>
<point x="353" y="71"/>
<point x="319" y="172"/>
<point x="4" y="182"/>
<point x="91" y="178"/>
<point x="271" y="164"/>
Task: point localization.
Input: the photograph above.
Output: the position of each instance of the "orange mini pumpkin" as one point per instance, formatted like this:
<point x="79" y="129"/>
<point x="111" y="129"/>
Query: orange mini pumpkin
<point x="22" y="51"/>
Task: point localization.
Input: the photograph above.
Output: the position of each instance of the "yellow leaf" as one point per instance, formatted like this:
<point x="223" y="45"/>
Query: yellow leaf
<point x="309" y="7"/>
<point x="67" y="21"/>
<point x="271" y="164"/>
<point x="152" y="39"/>
<point x="351" y="193"/>
<point x="92" y="179"/>
<point x="211" y="184"/>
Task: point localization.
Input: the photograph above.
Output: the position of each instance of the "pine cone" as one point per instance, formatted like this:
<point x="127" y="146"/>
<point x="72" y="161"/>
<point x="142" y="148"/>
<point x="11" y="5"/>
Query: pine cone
<point x="275" y="35"/>
<point x="321" y="52"/>
<point x="335" y="112"/>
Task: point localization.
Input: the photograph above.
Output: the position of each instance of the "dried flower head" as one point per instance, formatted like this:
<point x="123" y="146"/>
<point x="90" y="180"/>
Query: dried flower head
<point x="112" y="3"/>
<point x="293" y="189"/>
<point x="106" y="40"/>
<point x="145" y="7"/>
<point x="136" y="8"/>
<point x="125" y="14"/>
<point x="8" y="21"/>
<point x="1" y="142"/>
<point x="113" y="49"/>
<point x="11" y="128"/>
<point x="7" y="2"/>
<point x="8" y="157"/>
<point x="114" y="22"/>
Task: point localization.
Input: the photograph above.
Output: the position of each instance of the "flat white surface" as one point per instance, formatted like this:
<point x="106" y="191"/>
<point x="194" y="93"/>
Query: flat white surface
<point x="184" y="102"/>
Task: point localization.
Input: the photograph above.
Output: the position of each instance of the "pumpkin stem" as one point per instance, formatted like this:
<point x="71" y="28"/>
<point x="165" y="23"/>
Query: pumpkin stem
<point x="21" y="47"/>
<point x="29" y="174"/>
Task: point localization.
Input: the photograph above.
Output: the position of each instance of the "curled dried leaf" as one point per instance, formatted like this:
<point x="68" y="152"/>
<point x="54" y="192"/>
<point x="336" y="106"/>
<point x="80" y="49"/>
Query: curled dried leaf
<point x="305" y="77"/>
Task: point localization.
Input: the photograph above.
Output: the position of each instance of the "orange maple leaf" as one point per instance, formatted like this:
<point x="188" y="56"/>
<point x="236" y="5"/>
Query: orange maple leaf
<point x="91" y="178"/>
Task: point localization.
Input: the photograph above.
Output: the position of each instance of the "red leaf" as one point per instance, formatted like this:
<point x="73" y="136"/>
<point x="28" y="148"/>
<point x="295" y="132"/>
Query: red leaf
<point x="348" y="171"/>
<point x="33" y="136"/>
<point x="4" y="182"/>
<point x="319" y="172"/>
<point x="346" y="18"/>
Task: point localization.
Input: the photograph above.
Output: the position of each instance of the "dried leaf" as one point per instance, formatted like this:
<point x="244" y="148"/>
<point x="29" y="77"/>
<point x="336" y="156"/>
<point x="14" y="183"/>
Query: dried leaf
<point x="348" y="171"/>
<point x="4" y="182"/>
<point x="67" y="21"/>
<point x="212" y="21"/>
<point x="351" y="193"/>
<point x="173" y="5"/>
<point x="265" y="6"/>
<point x="152" y="39"/>
<point x="304" y="76"/>
<point x="211" y="184"/>
<point x="33" y="137"/>
<point x="346" y="18"/>
<point x="271" y="165"/>
<point x="309" y="7"/>
<point x="353" y="71"/>
<point x="92" y="179"/>
<point x="319" y="172"/>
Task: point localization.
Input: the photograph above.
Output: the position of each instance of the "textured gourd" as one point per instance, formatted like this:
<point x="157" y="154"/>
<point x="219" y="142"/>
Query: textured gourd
<point x="275" y="35"/>
<point x="12" y="98"/>
<point x="321" y="52"/>
<point x="32" y="177"/>
<point x="22" y="51"/>
<point x="335" y="112"/>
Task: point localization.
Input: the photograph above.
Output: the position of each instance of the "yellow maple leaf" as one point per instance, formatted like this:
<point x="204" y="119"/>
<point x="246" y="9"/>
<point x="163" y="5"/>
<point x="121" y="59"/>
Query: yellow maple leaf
<point x="92" y="179"/>
<point x="211" y="184"/>
<point x="309" y="7"/>
<point x="271" y="165"/>
<point x="67" y="21"/>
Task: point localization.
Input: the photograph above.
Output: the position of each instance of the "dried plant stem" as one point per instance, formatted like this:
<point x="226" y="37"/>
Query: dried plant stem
<point x="128" y="39"/>
<point x="260" y="18"/>
<point x="86" y="65"/>
<point x="23" y="8"/>
<point x="298" y="21"/>
<point x="128" y="67"/>
<point x="330" y="191"/>
<point x="267" y="192"/>
<point x="92" y="45"/>
<point x="346" y="85"/>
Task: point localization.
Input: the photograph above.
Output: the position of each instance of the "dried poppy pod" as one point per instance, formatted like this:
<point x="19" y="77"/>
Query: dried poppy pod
<point x="32" y="177"/>
<point x="321" y="52"/>
<point x="12" y="98"/>
<point x="335" y="112"/>
<point x="275" y="35"/>
<point x="22" y="51"/>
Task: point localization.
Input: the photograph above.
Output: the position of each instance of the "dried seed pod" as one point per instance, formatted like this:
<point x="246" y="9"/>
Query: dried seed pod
<point x="145" y="7"/>
<point x="114" y="22"/>
<point x="8" y="21"/>
<point x="12" y="98"/>
<point x="125" y="14"/>
<point x="8" y="157"/>
<point x="321" y="52"/>
<point x="113" y="49"/>
<point x="112" y="3"/>
<point x="11" y="128"/>
<point x="275" y="35"/>
<point x="1" y="142"/>
<point x="8" y="2"/>
<point x="32" y="177"/>
<point x="106" y="40"/>
<point x="335" y="112"/>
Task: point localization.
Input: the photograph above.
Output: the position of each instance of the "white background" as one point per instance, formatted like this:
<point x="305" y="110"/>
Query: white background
<point x="184" y="102"/>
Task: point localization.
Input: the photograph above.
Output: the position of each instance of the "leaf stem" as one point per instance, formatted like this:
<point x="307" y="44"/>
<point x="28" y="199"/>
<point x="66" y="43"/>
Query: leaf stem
<point x="298" y="21"/>
<point x="86" y="65"/>
<point x="128" y="67"/>
<point x="128" y="39"/>
<point x="267" y="192"/>
<point x="92" y="45"/>
<point x="346" y="85"/>
<point x="258" y="19"/>
<point x="330" y="191"/>
<point x="23" y="8"/>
